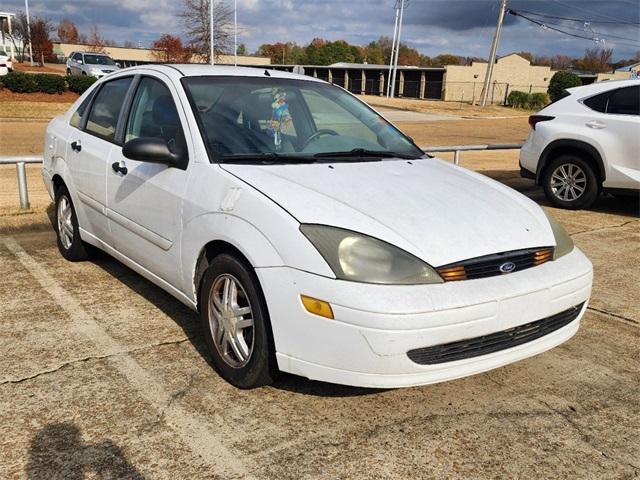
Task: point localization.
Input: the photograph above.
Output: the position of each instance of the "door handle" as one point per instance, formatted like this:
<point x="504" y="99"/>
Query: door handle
<point x="76" y="146"/>
<point x="596" y="124"/>
<point x="119" y="168"/>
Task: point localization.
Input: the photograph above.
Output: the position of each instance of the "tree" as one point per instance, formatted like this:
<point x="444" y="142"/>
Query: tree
<point x="448" y="59"/>
<point x="19" y="35"/>
<point x="526" y="55"/>
<point x="95" y="41"/>
<point x="67" y="31"/>
<point x="128" y="44"/>
<point x="560" y="82"/>
<point x="195" y="18"/>
<point x="596" y="60"/>
<point x="242" y="49"/>
<point x="169" y="49"/>
<point x="40" y="41"/>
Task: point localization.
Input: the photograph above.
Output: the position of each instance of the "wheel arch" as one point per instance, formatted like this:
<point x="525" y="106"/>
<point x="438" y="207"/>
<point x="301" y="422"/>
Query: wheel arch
<point x="568" y="146"/>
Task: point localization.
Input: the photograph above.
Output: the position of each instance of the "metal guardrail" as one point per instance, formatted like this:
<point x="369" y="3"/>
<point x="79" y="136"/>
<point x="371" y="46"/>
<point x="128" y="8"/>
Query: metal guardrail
<point x="456" y="149"/>
<point x="23" y="191"/>
<point x="22" y="175"/>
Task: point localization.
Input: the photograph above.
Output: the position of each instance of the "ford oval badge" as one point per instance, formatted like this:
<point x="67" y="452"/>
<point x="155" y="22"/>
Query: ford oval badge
<point x="507" y="267"/>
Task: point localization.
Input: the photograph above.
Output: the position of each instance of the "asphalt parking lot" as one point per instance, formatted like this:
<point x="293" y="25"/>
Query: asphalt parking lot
<point x="103" y="375"/>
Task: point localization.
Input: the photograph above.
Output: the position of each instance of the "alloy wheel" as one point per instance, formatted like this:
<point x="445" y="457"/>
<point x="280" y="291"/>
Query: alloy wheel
<point x="568" y="182"/>
<point x="65" y="224"/>
<point x="231" y="321"/>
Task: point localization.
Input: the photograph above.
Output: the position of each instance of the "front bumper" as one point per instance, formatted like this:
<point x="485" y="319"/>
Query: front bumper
<point x="375" y="326"/>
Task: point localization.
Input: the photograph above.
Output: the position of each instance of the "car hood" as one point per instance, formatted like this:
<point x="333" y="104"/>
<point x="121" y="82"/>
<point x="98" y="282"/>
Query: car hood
<point x="434" y="210"/>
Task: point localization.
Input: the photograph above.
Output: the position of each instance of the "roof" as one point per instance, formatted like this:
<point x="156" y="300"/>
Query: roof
<point x="628" y="68"/>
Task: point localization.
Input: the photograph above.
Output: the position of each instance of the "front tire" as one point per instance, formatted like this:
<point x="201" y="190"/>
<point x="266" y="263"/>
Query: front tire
<point x="570" y="182"/>
<point x="69" y="242"/>
<point x="235" y="323"/>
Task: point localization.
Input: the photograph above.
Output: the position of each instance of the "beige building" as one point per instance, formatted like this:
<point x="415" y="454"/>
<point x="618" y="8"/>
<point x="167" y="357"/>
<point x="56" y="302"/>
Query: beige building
<point x="134" y="56"/>
<point x="511" y="72"/>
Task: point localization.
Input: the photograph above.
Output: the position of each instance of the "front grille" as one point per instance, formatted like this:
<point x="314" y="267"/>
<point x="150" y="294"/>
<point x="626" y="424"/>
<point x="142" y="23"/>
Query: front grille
<point x="491" y="265"/>
<point x="494" y="342"/>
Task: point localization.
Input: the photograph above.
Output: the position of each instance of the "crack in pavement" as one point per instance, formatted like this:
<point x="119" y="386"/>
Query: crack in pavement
<point x="614" y="315"/>
<point x="91" y="357"/>
<point x="597" y="229"/>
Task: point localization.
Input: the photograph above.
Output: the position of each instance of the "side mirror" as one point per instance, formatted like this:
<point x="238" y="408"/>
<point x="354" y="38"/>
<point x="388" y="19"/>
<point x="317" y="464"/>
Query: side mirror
<point x="153" y="150"/>
<point x="80" y="62"/>
<point x="118" y="65"/>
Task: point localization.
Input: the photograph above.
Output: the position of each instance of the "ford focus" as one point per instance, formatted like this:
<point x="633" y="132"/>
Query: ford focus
<point x="309" y="233"/>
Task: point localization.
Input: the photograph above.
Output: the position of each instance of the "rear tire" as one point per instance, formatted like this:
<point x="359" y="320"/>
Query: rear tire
<point x="235" y="323"/>
<point x="68" y="72"/>
<point x="69" y="242"/>
<point x="570" y="182"/>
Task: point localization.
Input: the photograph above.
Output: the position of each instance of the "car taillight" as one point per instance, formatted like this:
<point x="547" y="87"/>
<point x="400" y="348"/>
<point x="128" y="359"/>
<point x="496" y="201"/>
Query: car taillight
<point x="534" y="119"/>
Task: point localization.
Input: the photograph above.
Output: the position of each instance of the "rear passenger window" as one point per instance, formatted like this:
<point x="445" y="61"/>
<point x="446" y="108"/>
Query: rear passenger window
<point x="103" y="117"/>
<point x="76" y="118"/>
<point x="625" y="101"/>
<point x="598" y="102"/>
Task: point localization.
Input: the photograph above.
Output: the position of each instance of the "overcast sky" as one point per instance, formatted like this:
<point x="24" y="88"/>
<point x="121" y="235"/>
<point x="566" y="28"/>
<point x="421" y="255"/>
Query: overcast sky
<point x="462" y="27"/>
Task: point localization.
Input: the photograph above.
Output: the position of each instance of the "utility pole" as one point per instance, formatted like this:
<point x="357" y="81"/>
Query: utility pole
<point x="26" y="7"/>
<point x="212" y="53"/>
<point x="395" y="62"/>
<point x="393" y="47"/>
<point x="235" y="32"/>
<point x="492" y="54"/>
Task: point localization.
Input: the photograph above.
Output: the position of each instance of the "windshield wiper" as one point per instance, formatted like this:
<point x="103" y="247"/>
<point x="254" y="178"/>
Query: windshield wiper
<point x="363" y="153"/>
<point x="266" y="158"/>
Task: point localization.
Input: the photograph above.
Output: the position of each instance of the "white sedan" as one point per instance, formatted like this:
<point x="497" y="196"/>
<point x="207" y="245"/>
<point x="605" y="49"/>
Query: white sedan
<point x="311" y="235"/>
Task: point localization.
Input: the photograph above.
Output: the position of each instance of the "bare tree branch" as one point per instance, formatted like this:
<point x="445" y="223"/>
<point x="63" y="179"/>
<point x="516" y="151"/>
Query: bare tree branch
<point x="195" y="18"/>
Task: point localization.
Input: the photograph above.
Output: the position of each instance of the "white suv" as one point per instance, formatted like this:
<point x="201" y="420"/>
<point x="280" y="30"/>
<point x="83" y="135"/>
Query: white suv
<point x="585" y="143"/>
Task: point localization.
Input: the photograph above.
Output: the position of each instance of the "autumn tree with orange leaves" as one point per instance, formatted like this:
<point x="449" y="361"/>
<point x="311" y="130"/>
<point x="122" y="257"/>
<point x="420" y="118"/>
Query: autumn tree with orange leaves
<point x="170" y="49"/>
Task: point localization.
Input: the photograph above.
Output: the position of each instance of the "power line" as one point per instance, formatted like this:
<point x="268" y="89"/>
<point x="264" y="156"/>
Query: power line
<point x="555" y="29"/>
<point x="593" y="12"/>
<point x="580" y="20"/>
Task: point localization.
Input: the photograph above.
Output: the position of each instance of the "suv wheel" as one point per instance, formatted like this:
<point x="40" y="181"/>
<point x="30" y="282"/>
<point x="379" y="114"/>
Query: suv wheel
<point x="235" y="322"/>
<point x="68" y="72"/>
<point x="69" y="242"/>
<point x="570" y="182"/>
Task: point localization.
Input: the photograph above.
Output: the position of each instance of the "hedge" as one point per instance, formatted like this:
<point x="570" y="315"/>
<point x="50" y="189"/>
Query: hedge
<point x="533" y="101"/>
<point x="80" y="83"/>
<point x="50" y="83"/>
<point x="21" y="82"/>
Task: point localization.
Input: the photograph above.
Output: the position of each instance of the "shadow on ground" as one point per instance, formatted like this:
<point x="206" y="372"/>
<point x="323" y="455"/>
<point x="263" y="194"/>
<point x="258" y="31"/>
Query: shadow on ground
<point x="59" y="452"/>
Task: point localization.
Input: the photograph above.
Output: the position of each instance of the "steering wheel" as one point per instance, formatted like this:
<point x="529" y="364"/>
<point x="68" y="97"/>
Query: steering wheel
<point x="318" y="134"/>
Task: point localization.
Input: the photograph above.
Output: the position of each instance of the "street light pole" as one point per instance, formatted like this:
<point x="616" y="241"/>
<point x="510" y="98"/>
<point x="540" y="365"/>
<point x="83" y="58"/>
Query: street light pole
<point x="212" y="53"/>
<point x="393" y="48"/>
<point x="26" y="7"/>
<point x="492" y="54"/>
<point x="235" y="32"/>
<point x="395" y="63"/>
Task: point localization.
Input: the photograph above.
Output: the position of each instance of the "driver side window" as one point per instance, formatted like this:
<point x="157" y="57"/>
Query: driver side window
<point x="154" y="115"/>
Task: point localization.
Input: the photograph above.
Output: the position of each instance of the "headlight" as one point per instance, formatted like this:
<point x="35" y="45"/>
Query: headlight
<point x="564" y="244"/>
<point x="360" y="258"/>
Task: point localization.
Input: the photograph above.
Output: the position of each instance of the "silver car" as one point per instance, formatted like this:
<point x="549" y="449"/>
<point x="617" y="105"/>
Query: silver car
<point x="93" y="64"/>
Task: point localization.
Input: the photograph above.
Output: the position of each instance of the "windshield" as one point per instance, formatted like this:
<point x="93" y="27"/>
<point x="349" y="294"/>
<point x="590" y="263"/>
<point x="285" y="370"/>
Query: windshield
<point x="290" y="120"/>
<point x="98" y="60"/>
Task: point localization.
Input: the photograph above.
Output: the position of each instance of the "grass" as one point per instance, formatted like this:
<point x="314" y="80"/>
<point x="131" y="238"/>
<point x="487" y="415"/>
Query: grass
<point x="32" y="110"/>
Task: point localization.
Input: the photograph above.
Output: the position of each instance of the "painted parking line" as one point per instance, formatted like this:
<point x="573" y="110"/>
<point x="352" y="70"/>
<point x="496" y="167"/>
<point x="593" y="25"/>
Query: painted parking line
<point x="190" y="426"/>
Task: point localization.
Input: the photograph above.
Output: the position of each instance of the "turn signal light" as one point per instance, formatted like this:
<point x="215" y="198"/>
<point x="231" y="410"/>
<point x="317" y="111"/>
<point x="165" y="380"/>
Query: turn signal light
<point x="542" y="256"/>
<point x="450" y="274"/>
<point x="317" y="307"/>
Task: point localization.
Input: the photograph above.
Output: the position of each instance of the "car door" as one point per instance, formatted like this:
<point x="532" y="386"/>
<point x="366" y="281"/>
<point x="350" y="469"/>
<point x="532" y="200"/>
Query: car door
<point x="623" y="121"/>
<point x="144" y="200"/>
<point x="614" y="124"/>
<point x="75" y="64"/>
<point x="89" y="150"/>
